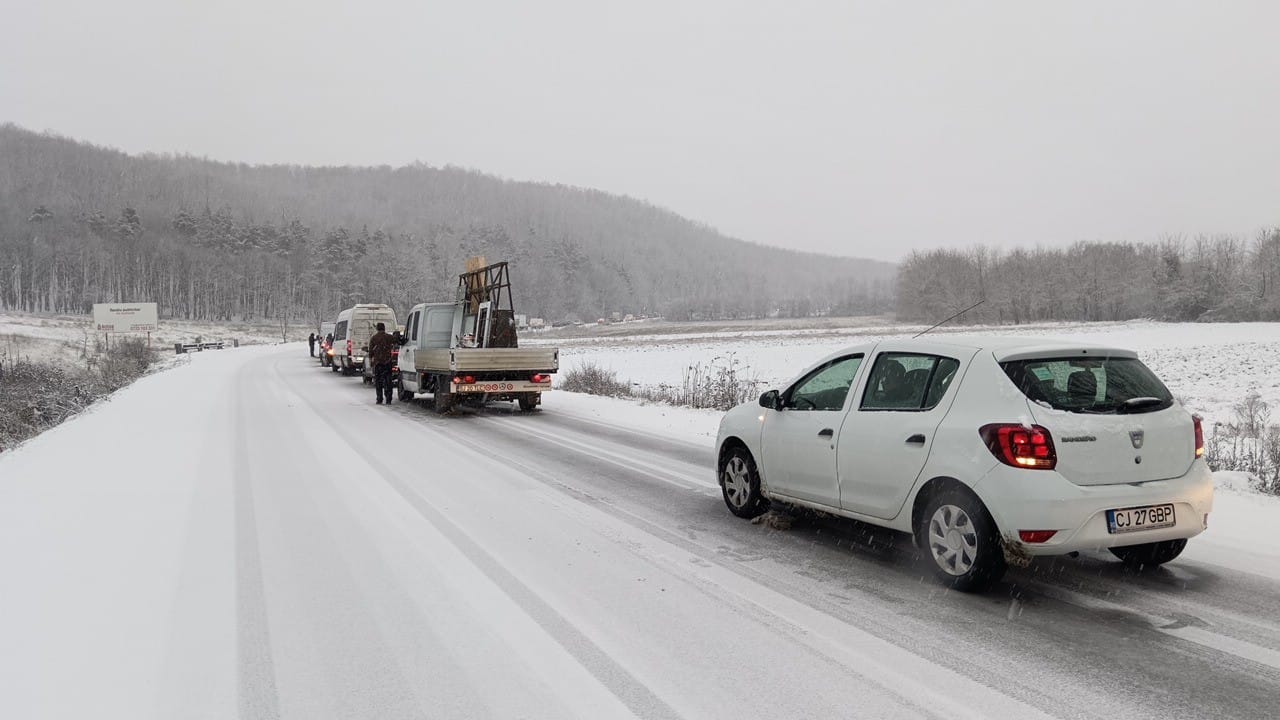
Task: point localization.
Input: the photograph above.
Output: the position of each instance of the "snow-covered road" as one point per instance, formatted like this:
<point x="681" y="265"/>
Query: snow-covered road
<point x="250" y="536"/>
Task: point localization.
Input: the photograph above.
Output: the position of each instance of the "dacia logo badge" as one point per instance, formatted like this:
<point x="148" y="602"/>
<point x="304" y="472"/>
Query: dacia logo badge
<point x="1135" y="437"/>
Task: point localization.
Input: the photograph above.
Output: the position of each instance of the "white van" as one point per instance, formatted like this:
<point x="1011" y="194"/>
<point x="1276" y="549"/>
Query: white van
<point x="352" y="331"/>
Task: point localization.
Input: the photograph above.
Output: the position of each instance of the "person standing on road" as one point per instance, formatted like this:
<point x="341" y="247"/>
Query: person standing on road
<point x="380" y="348"/>
<point x="311" y="344"/>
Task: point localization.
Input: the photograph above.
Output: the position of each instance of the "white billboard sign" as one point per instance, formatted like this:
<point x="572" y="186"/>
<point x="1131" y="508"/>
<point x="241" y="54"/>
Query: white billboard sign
<point x="125" y="317"/>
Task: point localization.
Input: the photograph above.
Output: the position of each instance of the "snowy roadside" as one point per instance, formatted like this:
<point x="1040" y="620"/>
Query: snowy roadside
<point x="1239" y="535"/>
<point x="1209" y="366"/>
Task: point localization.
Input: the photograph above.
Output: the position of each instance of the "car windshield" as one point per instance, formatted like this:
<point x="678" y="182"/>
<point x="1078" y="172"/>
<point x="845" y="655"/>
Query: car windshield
<point x="1104" y="385"/>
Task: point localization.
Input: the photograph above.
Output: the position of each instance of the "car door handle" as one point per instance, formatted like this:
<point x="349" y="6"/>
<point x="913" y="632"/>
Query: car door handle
<point x="826" y="433"/>
<point x="916" y="439"/>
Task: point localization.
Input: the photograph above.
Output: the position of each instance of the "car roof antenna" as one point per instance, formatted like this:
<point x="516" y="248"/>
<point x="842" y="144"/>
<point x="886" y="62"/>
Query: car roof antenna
<point x="953" y="317"/>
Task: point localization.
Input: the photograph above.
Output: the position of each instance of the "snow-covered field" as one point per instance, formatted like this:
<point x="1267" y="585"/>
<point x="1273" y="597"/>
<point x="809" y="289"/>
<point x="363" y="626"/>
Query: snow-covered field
<point x="45" y="338"/>
<point x="1209" y="366"/>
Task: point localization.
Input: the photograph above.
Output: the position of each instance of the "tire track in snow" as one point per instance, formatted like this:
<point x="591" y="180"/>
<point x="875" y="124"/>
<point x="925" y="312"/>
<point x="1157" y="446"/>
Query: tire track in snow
<point x="256" y="680"/>
<point x="626" y="687"/>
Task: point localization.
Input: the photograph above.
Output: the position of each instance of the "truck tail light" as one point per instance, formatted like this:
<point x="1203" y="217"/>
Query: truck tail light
<point x="349" y="348"/>
<point x="1020" y="446"/>
<point x="1195" y="420"/>
<point x="464" y="379"/>
<point x="540" y="378"/>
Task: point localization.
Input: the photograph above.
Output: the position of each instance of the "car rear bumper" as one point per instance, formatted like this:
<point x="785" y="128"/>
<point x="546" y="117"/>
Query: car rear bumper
<point x="1044" y="500"/>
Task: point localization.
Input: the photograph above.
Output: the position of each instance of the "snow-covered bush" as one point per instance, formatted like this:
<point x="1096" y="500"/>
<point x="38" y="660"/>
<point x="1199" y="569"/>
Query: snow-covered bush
<point x="592" y="379"/>
<point x="1248" y="444"/>
<point x="127" y="359"/>
<point x="37" y="396"/>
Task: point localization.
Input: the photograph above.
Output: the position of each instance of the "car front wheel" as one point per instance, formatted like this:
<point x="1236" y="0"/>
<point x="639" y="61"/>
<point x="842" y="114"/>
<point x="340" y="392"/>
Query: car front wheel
<point x="1150" y="554"/>
<point x="740" y="483"/>
<point x="962" y="541"/>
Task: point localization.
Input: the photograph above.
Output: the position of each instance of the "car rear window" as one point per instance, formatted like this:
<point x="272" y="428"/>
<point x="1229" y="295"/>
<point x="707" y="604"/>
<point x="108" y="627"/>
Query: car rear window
<point x="1090" y="385"/>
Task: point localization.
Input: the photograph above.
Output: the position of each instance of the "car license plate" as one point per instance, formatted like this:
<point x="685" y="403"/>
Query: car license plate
<point x="1133" y="519"/>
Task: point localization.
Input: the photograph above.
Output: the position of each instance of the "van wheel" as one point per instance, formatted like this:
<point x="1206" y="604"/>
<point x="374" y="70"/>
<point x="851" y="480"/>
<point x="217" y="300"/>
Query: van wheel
<point x="740" y="484"/>
<point x="962" y="541"/>
<point x="1149" y="554"/>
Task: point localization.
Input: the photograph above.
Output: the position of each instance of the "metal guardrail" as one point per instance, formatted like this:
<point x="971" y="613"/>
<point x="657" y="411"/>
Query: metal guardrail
<point x="182" y="348"/>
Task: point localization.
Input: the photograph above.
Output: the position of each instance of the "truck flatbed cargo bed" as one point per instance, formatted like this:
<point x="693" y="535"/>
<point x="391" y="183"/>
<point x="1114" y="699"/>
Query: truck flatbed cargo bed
<point x="546" y="360"/>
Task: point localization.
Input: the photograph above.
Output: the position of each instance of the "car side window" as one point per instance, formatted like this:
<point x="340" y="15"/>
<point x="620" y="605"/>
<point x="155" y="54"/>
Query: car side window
<point x="826" y="387"/>
<point x="413" y="330"/>
<point x="908" y="381"/>
<point x="944" y="372"/>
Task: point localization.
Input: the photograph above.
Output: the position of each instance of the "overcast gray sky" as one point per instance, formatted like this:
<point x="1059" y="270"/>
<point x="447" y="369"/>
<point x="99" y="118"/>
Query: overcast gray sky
<point x="853" y="128"/>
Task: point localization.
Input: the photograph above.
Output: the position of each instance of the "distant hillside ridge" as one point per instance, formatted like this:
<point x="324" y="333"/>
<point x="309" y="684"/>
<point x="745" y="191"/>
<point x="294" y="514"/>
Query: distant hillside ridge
<point x="81" y="224"/>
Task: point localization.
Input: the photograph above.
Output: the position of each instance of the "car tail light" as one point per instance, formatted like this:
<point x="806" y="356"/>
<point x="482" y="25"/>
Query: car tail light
<point x="1036" y="536"/>
<point x="331" y="351"/>
<point x="541" y="378"/>
<point x="1021" y="446"/>
<point x="1195" y="419"/>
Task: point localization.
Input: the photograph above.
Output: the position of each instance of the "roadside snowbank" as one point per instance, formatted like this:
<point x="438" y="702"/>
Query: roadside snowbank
<point x="1240" y="534"/>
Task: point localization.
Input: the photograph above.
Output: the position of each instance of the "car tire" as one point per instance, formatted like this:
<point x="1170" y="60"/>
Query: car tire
<point x="740" y="484"/>
<point x="333" y="368"/>
<point x="1149" y="554"/>
<point x="961" y="541"/>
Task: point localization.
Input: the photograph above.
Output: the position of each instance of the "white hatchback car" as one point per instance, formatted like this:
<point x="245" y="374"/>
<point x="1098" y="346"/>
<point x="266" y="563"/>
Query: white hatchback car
<point x="982" y="448"/>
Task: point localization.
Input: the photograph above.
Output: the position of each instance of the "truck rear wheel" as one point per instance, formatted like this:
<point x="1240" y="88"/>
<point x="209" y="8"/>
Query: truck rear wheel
<point x="529" y="401"/>
<point x="405" y="395"/>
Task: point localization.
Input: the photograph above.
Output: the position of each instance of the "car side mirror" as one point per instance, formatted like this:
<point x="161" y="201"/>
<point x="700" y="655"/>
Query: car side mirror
<point x="771" y="400"/>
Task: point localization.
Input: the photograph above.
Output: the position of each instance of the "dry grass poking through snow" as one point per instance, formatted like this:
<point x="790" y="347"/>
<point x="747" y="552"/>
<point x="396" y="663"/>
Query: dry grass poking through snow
<point x="720" y="384"/>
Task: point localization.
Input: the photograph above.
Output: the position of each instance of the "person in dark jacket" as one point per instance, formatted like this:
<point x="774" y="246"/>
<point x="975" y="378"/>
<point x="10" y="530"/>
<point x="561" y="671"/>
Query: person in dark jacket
<point x="311" y="343"/>
<point x="380" y="347"/>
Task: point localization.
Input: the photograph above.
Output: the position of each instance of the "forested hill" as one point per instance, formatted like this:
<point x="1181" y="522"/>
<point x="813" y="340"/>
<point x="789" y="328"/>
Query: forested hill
<point x="82" y="224"/>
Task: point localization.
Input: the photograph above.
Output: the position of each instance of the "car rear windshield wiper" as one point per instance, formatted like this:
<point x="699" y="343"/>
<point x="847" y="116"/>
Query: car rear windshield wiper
<point x="1138" y="404"/>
